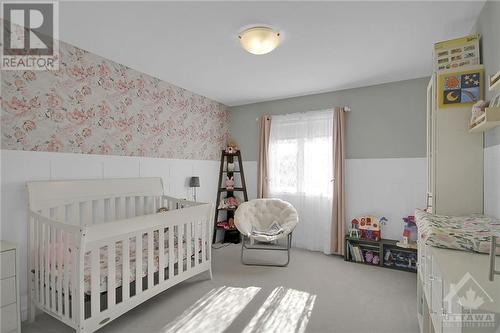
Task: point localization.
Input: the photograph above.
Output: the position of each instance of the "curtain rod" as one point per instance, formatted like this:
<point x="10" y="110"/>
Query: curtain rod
<point x="346" y="109"/>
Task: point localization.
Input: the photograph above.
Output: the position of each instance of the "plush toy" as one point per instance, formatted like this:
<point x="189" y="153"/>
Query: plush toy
<point x="230" y="202"/>
<point x="231" y="147"/>
<point x="230" y="183"/>
<point x="230" y="167"/>
<point x="376" y="259"/>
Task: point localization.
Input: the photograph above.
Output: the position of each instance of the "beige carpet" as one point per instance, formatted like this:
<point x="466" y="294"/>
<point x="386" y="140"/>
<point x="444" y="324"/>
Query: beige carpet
<point x="349" y="297"/>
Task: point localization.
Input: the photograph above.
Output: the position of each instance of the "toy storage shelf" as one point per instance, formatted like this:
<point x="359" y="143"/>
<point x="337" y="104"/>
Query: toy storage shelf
<point x="489" y="120"/>
<point x="380" y="248"/>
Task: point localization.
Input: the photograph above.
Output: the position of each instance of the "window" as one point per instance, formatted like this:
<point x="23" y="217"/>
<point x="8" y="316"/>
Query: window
<point x="300" y="154"/>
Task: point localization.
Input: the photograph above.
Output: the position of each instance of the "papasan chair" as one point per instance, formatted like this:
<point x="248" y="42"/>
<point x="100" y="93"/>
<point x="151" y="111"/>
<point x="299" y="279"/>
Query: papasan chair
<point x="263" y="223"/>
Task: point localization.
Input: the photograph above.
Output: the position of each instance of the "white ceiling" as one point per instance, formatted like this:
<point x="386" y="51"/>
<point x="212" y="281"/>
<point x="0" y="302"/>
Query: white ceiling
<point x="325" y="46"/>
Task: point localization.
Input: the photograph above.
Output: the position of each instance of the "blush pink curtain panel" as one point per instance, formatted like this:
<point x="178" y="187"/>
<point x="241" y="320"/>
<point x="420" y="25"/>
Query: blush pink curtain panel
<point x="338" y="203"/>
<point x="262" y="158"/>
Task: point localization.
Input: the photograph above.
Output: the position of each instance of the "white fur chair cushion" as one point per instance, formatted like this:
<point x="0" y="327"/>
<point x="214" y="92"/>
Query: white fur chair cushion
<point x="261" y="213"/>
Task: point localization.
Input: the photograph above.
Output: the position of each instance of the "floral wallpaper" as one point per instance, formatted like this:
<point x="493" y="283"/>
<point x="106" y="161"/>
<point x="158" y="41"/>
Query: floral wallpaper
<point x="92" y="105"/>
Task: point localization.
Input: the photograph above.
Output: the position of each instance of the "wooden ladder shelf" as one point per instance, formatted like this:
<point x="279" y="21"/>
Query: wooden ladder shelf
<point x="231" y="235"/>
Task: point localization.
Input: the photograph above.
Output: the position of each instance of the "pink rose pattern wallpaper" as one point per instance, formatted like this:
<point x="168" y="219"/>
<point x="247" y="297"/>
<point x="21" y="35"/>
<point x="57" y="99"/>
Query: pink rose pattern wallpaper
<point x="92" y="105"/>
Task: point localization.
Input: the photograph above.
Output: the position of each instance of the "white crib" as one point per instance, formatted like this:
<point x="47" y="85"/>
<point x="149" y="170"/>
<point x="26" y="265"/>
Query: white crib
<point x="98" y="248"/>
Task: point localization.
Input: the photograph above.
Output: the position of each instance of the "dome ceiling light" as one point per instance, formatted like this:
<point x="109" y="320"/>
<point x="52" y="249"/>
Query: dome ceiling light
<point x="259" y="40"/>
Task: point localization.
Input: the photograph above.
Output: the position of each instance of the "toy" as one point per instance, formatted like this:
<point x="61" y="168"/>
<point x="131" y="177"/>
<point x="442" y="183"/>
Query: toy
<point x="388" y="258"/>
<point x="368" y="226"/>
<point x="477" y="111"/>
<point x="369" y="256"/>
<point x="230" y="183"/>
<point x="230" y="166"/>
<point x="231" y="147"/>
<point x="376" y="259"/>
<point x="409" y="232"/>
<point x="353" y="233"/>
<point x="231" y="223"/>
<point x="230" y="203"/>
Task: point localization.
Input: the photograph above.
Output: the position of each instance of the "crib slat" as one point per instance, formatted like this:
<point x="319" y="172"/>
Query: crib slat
<point x="203" y="242"/>
<point x="60" y="264"/>
<point x="126" y="269"/>
<point x="119" y="208"/>
<point x="171" y="252"/>
<point x="53" y="272"/>
<point x="138" y="264"/>
<point x="151" y="267"/>
<point x="97" y="211"/>
<point x="36" y="256"/>
<point x="139" y="206"/>
<point x="40" y="271"/>
<point x="67" y="262"/>
<point x="180" y="252"/>
<point x="86" y="213"/>
<point x="161" y="255"/>
<point x="107" y="210"/>
<point x="111" y="275"/>
<point x="94" y="282"/>
<point x="130" y="206"/>
<point x="188" y="245"/>
<point x="196" y="236"/>
<point x="46" y="246"/>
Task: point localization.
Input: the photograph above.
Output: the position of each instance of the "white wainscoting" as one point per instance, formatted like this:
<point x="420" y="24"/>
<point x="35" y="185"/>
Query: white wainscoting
<point x="492" y="181"/>
<point x="21" y="166"/>
<point x="390" y="187"/>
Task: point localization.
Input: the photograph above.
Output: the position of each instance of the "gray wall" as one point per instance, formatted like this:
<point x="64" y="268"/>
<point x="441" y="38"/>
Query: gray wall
<point x="488" y="25"/>
<point x="386" y="120"/>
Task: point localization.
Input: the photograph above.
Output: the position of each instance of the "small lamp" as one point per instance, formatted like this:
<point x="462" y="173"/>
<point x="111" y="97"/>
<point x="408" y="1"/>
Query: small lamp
<point x="194" y="182"/>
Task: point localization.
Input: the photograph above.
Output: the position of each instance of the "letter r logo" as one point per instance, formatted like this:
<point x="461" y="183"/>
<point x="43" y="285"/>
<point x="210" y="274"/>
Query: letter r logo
<point x="28" y="29"/>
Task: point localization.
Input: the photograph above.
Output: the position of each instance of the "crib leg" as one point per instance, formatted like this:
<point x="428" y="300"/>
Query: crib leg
<point x="210" y="273"/>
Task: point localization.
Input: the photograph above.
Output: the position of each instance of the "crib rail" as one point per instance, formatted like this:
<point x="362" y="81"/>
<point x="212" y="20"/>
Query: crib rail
<point x="53" y="255"/>
<point x="167" y="247"/>
<point x="108" y="209"/>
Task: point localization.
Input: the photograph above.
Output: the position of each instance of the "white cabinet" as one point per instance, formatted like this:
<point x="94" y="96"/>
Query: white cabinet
<point x="454" y="158"/>
<point x="9" y="289"/>
<point x="439" y="310"/>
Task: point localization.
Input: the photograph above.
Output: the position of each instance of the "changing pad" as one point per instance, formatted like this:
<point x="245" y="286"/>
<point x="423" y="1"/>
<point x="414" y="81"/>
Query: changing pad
<point x="467" y="233"/>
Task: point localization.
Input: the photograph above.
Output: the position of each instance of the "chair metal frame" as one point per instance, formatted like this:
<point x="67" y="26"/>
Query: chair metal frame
<point x="264" y="247"/>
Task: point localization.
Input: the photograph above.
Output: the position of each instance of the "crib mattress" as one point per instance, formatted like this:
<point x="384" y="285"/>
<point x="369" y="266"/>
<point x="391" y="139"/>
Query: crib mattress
<point x="467" y="233"/>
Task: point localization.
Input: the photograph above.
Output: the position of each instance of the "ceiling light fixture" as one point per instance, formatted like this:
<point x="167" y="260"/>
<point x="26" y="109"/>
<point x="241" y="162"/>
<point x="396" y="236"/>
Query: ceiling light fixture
<point x="259" y="40"/>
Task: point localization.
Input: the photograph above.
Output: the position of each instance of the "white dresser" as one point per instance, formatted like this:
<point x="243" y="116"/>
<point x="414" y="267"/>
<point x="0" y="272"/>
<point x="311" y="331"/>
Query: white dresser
<point x="439" y="308"/>
<point x="9" y="289"/>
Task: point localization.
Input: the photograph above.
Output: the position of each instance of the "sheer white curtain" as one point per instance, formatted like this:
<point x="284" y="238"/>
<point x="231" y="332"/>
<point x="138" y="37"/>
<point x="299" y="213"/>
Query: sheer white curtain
<point x="300" y="172"/>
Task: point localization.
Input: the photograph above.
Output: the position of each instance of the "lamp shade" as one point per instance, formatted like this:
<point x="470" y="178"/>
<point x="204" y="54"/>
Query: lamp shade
<point x="194" y="182"/>
<point x="259" y="40"/>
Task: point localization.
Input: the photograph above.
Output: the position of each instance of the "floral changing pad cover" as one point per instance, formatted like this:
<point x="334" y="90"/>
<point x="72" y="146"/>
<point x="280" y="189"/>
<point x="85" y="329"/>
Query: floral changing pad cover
<point x="466" y="233"/>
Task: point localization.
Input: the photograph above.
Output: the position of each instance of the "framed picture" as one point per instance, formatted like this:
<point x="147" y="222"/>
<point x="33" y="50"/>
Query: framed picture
<point x="456" y="89"/>
<point x="456" y="53"/>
